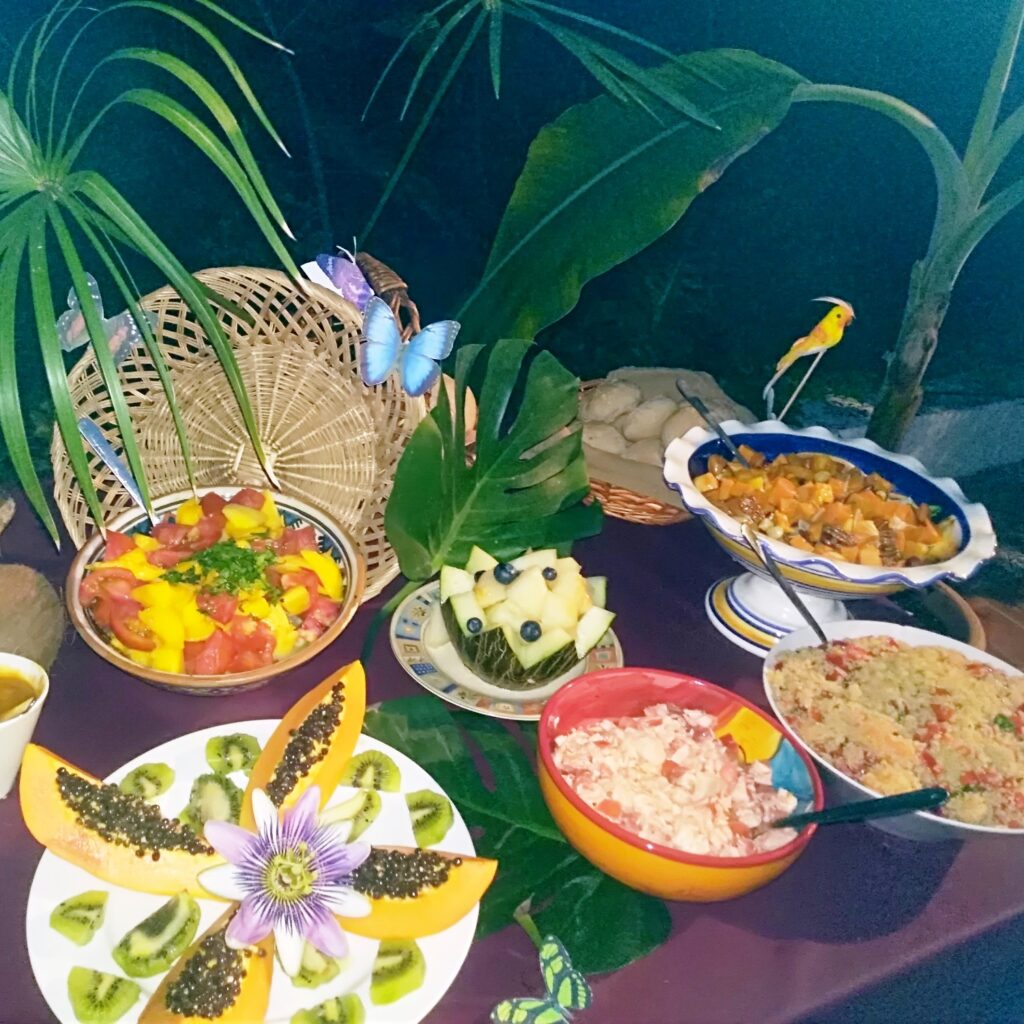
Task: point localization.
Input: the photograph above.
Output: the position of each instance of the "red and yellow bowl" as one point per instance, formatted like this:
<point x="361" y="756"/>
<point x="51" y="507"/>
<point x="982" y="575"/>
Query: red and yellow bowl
<point x="638" y="863"/>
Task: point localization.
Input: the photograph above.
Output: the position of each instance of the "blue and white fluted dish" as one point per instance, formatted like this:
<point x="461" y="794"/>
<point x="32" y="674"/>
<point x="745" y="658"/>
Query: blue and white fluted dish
<point x="751" y="609"/>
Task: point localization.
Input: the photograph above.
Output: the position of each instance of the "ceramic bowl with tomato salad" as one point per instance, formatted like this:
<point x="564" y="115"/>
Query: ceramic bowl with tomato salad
<point x="228" y="589"/>
<point x="647" y="866"/>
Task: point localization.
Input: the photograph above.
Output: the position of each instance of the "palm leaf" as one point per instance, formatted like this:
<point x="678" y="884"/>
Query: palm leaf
<point x="121" y="276"/>
<point x="439" y="40"/>
<point x="121" y="213"/>
<point x="525" y="487"/>
<point x="53" y="363"/>
<point x="494" y="49"/>
<point x="108" y="371"/>
<point x="12" y="421"/>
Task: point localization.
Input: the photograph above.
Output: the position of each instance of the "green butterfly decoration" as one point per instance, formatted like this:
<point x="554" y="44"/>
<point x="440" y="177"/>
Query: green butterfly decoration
<point x="567" y="990"/>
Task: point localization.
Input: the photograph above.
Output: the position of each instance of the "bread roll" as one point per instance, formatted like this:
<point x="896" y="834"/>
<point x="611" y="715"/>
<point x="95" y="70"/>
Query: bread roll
<point x="679" y="423"/>
<point x="604" y="437"/>
<point x="648" y="450"/>
<point x="608" y="401"/>
<point x="647" y="419"/>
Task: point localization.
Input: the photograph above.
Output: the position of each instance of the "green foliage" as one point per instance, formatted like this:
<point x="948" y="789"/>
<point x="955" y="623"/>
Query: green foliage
<point x="526" y="484"/>
<point x="58" y="217"/>
<point x="602" y="183"/>
<point x="603" y="924"/>
<point x="632" y="85"/>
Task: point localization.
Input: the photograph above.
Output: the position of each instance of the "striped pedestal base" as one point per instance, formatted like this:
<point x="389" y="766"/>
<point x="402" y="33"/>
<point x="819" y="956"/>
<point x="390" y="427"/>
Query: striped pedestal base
<point x="754" y="613"/>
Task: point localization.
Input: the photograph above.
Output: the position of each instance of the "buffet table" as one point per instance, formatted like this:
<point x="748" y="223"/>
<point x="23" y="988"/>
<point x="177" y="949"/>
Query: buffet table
<point x="857" y="910"/>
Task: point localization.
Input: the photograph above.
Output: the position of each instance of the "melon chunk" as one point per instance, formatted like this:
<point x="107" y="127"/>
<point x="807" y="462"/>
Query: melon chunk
<point x="455" y="581"/>
<point x="531" y="653"/>
<point x="489" y="591"/>
<point x="506" y="613"/>
<point x="592" y="628"/>
<point x="529" y="590"/>
<point x="480" y="561"/>
<point x="597" y="587"/>
<point x="558" y="613"/>
<point x="573" y="591"/>
<point x="542" y="557"/>
<point x="567" y="567"/>
<point x="466" y="607"/>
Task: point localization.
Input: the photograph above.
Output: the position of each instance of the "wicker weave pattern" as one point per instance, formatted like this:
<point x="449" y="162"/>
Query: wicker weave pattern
<point x="330" y="440"/>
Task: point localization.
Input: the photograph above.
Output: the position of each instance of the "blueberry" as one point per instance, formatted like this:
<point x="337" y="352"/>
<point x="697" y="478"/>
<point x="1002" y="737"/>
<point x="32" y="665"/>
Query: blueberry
<point x="474" y="625"/>
<point x="530" y="630"/>
<point x="505" y="572"/>
<point x="550" y="573"/>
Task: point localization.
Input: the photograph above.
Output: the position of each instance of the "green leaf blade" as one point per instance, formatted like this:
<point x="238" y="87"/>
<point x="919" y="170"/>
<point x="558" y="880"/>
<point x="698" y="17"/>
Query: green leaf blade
<point x="602" y="182"/>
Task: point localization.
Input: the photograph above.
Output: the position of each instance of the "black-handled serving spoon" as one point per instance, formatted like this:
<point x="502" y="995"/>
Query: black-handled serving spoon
<point x="862" y="810"/>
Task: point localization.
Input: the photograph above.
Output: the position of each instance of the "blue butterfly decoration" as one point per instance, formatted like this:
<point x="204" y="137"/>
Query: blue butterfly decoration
<point x="567" y="990"/>
<point x="122" y="332"/>
<point x="418" y="361"/>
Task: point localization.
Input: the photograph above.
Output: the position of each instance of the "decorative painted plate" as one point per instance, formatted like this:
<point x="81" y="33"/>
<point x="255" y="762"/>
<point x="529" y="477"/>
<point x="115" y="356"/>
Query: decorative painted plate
<point x="420" y="642"/>
<point x="52" y="956"/>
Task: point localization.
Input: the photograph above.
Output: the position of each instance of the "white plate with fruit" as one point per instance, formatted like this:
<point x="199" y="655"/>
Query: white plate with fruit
<point x="499" y="638"/>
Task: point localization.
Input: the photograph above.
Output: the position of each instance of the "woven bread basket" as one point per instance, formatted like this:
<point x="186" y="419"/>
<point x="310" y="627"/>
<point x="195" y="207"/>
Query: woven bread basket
<point x="623" y="503"/>
<point x="329" y="439"/>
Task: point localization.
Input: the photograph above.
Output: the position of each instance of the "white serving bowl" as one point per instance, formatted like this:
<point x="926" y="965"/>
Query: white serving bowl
<point x="920" y="825"/>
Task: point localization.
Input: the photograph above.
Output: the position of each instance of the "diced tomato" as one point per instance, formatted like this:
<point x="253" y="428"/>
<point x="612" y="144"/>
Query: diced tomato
<point x="671" y="770"/>
<point x="206" y="532"/>
<point x="929" y="761"/>
<point x="983" y="778"/>
<point x="210" y="657"/>
<point x="106" y="581"/>
<point x="118" y="544"/>
<point x="220" y="607"/>
<point x="130" y="631"/>
<point x="171" y="535"/>
<point x="212" y="503"/>
<point x="942" y="712"/>
<point x="302" y="578"/>
<point x="248" y="496"/>
<point x="321" y="614"/>
<point x="251" y="635"/>
<point x="737" y="826"/>
<point x="610" y="808"/>
<point x="166" y="557"/>
<point x="293" y="540"/>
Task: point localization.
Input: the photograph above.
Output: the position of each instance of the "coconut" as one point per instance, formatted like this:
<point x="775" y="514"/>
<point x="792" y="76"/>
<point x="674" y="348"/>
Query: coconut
<point x="31" y="615"/>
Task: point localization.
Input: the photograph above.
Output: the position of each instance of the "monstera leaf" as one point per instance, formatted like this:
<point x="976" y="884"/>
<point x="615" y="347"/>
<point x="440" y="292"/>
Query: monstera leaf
<point x="603" y="924"/>
<point x="604" y="180"/>
<point x="525" y="486"/>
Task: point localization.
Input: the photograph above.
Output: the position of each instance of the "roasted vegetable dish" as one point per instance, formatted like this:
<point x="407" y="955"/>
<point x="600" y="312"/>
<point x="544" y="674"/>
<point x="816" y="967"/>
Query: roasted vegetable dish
<point x="822" y="504"/>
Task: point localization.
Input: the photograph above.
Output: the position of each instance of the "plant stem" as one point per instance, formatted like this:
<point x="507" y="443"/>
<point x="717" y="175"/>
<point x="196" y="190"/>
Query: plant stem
<point x="995" y="87"/>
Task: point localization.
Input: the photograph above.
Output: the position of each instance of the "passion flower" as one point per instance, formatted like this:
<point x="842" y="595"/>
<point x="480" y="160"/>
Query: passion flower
<point x="291" y="877"/>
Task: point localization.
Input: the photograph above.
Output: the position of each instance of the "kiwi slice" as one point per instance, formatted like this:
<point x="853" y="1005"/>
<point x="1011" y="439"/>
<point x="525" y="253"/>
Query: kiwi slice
<point x="154" y="944"/>
<point x="78" y="917"/>
<point x="100" y="998"/>
<point x="372" y="770"/>
<point x="148" y="781"/>
<point x="361" y="809"/>
<point x="317" y="969"/>
<point x="234" y="753"/>
<point x="339" y="1010"/>
<point x="398" y="970"/>
<point x="213" y="798"/>
<point x="431" y="815"/>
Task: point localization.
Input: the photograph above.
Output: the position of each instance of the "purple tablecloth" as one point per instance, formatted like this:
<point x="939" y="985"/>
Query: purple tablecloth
<point x="858" y="908"/>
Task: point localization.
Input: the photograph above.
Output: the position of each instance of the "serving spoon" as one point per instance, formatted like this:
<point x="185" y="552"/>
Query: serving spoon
<point x="768" y="560"/>
<point x="863" y="810"/>
<point x="706" y="416"/>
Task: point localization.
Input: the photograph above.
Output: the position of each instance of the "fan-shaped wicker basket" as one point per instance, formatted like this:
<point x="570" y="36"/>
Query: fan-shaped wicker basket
<point x="329" y="439"/>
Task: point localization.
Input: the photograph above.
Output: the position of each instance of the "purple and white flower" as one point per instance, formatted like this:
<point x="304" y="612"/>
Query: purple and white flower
<point x="291" y="876"/>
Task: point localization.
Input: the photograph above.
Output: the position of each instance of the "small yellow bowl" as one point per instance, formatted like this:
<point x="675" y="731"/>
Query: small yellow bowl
<point x="638" y="863"/>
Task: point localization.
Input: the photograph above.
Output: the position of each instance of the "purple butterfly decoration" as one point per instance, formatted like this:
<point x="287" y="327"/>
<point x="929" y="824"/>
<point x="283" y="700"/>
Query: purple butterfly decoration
<point x="345" y="277"/>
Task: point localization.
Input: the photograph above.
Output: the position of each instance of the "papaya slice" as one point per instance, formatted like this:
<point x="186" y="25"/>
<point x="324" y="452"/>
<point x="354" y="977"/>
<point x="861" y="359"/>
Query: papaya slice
<point x="414" y="892"/>
<point x="113" y="835"/>
<point x="213" y="983"/>
<point x="313" y="742"/>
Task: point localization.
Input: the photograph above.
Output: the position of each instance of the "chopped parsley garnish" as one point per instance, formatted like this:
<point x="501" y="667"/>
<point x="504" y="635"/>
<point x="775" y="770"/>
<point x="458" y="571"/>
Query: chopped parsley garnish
<point x="225" y="568"/>
<point x="936" y="511"/>
<point x="1005" y="723"/>
<point x="971" y="787"/>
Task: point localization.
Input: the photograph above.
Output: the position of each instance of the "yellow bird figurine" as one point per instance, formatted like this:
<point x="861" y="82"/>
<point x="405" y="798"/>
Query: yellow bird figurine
<point x="825" y="334"/>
